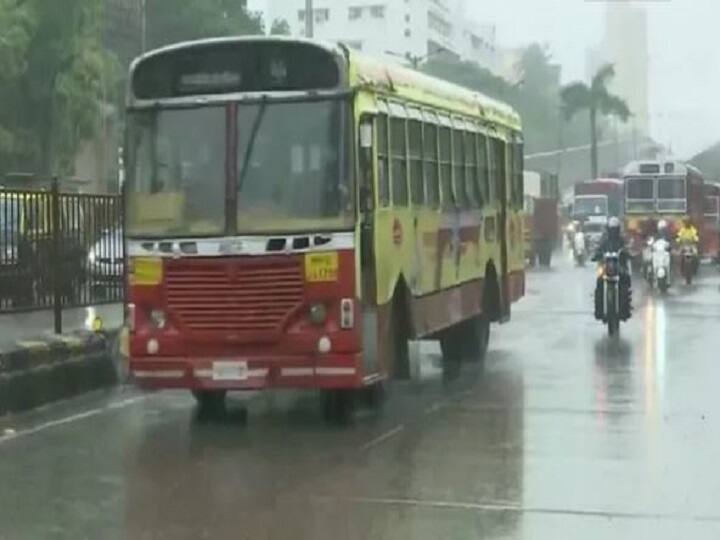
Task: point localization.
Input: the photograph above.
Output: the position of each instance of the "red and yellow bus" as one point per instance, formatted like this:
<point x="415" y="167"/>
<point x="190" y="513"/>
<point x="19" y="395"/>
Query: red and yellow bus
<point x="296" y="212"/>
<point x="655" y="190"/>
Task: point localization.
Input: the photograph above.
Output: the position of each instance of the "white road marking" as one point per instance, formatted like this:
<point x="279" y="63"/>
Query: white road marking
<point x="382" y="438"/>
<point x="72" y="418"/>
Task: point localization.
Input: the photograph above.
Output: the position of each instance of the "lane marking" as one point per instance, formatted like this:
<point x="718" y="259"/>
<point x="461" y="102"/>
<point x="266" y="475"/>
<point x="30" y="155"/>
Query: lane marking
<point x="72" y="418"/>
<point x="514" y="507"/>
<point x="382" y="438"/>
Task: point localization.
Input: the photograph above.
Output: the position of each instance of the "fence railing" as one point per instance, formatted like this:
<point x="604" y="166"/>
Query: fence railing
<point x="59" y="250"/>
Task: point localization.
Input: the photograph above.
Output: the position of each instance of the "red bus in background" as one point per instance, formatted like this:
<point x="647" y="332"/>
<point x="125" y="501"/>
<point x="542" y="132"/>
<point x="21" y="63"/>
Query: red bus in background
<point x="655" y="190"/>
<point x="710" y="246"/>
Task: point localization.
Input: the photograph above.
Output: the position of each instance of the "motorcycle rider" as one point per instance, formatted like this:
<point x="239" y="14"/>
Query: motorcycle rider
<point x="578" y="242"/>
<point x="688" y="234"/>
<point x="614" y="242"/>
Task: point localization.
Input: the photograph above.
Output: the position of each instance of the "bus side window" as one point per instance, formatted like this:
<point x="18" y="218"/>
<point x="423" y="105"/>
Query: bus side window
<point x="459" y="168"/>
<point x="471" y="169"/>
<point x="499" y="177"/>
<point x="383" y="158"/>
<point x="432" y="177"/>
<point x="492" y="170"/>
<point x="518" y="174"/>
<point x="398" y="146"/>
<point x="415" y="151"/>
<point x="448" y="199"/>
<point x="483" y="169"/>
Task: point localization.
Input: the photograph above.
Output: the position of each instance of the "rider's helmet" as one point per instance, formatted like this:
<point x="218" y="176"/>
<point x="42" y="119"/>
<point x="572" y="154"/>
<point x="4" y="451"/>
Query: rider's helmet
<point x="662" y="225"/>
<point x="687" y="222"/>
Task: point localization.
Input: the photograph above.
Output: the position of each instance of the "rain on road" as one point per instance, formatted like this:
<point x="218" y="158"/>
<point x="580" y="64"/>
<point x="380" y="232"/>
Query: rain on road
<point x="564" y="435"/>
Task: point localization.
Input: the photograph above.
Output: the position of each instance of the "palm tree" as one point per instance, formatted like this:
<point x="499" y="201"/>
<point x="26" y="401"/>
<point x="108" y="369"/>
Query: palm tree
<point x="596" y="99"/>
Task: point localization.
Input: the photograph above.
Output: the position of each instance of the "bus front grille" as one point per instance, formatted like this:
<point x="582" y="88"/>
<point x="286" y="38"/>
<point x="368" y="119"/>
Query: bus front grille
<point x="236" y="296"/>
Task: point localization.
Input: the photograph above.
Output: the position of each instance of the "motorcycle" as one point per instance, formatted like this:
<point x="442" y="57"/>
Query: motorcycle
<point x="579" y="250"/>
<point x="660" y="273"/>
<point x="611" y="292"/>
<point x="689" y="262"/>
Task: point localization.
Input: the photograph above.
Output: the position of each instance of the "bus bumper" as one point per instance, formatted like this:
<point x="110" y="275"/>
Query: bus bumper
<point x="238" y="373"/>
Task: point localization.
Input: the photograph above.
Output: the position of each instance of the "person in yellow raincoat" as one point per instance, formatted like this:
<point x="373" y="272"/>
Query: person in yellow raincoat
<point x="688" y="233"/>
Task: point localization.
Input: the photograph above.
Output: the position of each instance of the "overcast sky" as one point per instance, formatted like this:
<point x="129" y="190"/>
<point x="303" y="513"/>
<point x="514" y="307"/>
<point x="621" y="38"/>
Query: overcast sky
<point x="684" y="53"/>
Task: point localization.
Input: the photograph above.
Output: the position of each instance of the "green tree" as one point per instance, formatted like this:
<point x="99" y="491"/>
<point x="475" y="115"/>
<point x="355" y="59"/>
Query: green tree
<point x="59" y="78"/>
<point x="597" y="99"/>
<point x="280" y="27"/>
<point x="167" y="22"/>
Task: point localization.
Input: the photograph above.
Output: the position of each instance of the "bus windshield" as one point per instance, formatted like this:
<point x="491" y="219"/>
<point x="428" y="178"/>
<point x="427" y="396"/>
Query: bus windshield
<point x="176" y="175"/>
<point x="640" y="194"/>
<point x="292" y="172"/>
<point x="590" y="206"/>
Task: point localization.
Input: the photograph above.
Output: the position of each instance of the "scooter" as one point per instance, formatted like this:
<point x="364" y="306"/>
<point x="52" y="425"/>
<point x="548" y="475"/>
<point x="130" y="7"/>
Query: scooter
<point x="647" y="259"/>
<point x="660" y="274"/>
<point x="689" y="262"/>
<point x="579" y="250"/>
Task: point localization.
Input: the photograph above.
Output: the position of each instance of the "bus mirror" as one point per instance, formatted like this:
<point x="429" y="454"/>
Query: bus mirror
<point x="366" y="135"/>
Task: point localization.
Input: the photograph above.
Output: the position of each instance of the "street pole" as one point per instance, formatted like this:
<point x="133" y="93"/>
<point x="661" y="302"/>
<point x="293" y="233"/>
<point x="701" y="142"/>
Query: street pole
<point x="309" y="19"/>
<point x="143" y="25"/>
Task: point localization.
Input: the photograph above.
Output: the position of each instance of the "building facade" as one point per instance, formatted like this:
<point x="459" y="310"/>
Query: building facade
<point x="410" y="29"/>
<point x="625" y="45"/>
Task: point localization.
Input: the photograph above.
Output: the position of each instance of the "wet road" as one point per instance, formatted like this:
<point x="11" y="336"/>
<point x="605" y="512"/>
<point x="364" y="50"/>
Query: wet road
<point x="565" y="435"/>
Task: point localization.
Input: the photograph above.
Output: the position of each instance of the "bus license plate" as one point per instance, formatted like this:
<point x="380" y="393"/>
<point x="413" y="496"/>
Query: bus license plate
<point x="230" y="371"/>
<point x="321" y="267"/>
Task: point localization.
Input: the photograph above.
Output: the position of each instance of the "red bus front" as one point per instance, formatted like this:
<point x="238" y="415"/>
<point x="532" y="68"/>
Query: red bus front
<point x="246" y="321"/>
<point x="710" y="234"/>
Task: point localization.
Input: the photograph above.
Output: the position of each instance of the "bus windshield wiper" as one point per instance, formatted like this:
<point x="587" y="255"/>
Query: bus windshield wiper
<point x="251" y="142"/>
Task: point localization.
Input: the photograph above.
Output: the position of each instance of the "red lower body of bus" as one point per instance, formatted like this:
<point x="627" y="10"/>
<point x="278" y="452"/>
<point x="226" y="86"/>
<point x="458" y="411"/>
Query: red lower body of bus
<point x="245" y="323"/>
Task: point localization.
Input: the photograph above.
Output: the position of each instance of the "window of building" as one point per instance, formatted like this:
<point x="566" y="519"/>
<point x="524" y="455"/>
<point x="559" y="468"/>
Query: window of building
<point x="407" y="32"/>
<point x="377" y="12"/>
<point x="407" y="17"/>
<point x="322" y="15"/>
<point x="448" y="198"/>
<point x="355" y="12"/>
<point x="430" y="155"/>
<point x="398" y="173"/>
<point x="415" y="153"/>
<point x="383" y="157"/>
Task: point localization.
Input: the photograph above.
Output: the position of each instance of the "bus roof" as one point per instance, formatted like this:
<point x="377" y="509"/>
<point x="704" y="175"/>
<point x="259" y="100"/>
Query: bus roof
<point x="655" y="167"/>
<point x="365" y="72"/>
<point x="369" y="72"/>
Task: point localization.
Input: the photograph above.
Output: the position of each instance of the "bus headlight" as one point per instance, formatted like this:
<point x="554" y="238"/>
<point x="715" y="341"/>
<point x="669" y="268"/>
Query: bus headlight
<point x="318" y="314"/>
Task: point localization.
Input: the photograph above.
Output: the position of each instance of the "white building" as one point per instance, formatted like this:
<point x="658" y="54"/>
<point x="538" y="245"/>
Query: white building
<point x="403" y="28"/>
<point x="625" y="45"/>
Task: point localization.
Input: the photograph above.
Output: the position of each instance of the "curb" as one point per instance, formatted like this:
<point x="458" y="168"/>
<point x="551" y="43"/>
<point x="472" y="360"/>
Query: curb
<point x="40" y="372"/>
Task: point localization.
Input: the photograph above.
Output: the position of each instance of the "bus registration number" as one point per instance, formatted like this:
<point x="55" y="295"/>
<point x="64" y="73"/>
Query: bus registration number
<point x="321" y="267"/>
<point x="230" y="371"/>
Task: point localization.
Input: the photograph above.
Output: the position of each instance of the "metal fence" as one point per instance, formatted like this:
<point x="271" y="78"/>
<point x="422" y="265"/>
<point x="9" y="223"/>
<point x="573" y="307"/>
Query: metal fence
<point x="59" y="250"/>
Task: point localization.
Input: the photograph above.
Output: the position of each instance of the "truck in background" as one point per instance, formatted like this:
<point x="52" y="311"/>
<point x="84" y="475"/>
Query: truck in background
<point x="542" y="216"/>
<point x="595" y="201"/>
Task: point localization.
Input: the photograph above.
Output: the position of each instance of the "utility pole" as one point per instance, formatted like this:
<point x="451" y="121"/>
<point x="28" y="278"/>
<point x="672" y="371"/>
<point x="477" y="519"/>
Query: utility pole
<point x="143" y="25"/>
<point x="309" y="19"/>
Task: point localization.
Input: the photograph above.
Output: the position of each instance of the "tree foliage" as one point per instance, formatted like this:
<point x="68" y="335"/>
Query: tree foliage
<point x="55" y="76"/>
<point x="280" y="27"/>
<point x="167" y="22"/>
<point x="535" y="96"/>
<point x="598" y="101"/>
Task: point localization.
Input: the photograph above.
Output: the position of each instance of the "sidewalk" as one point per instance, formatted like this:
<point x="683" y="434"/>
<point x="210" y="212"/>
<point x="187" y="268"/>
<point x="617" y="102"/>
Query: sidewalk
<point x="19" y="328"/>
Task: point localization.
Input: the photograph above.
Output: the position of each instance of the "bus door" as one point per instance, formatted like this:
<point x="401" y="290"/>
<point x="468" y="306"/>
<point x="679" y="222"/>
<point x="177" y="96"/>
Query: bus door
<point x="502" y="197"/>
<point x="369" y="167"/>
